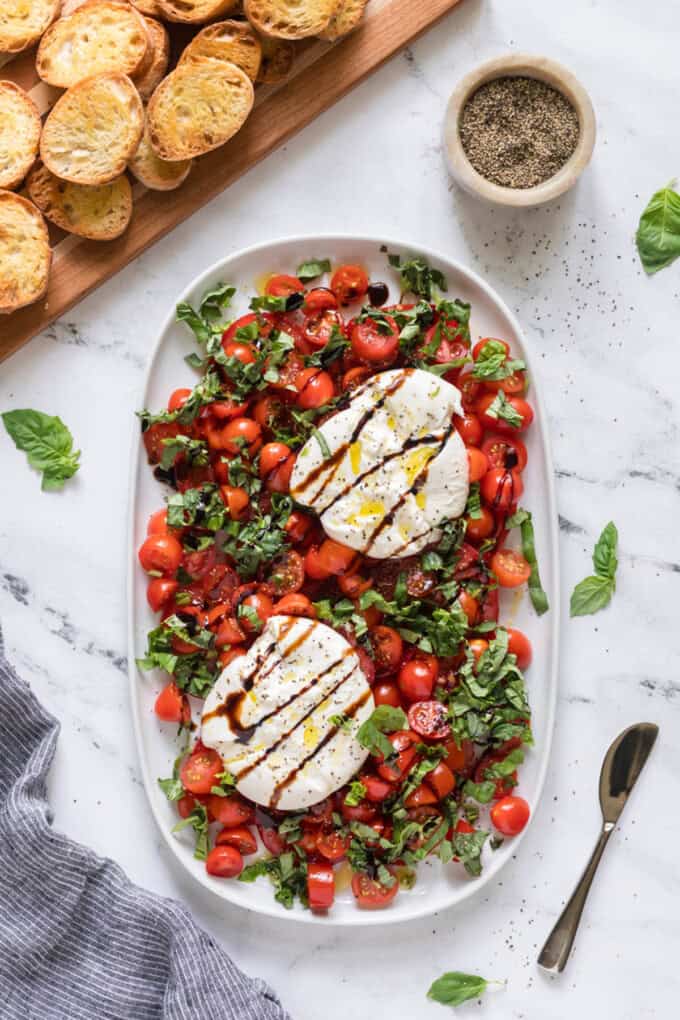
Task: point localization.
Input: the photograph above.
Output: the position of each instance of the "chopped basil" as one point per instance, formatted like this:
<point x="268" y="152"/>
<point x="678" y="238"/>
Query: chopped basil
<point x="198" y="821"/>
<point x="417" y="277"/>
<point x="225" y="786"/>
<point x="47" y="443"/>
<point x="195" y="451"/>
<point x="522" y="519"/>
<point x="172" y="788"/>
<point x="473" y="508"/>
<point x="203" y="322"/>
<point x="323" y="444"/>
<point x="287" y="873"/>
<point x="501" y="407"/>
<point x="384" y="719"/>
<point x="333" y="349"/>
<point x="658" y="235"/>
<point x="595" y="592"/>
<point x="493" y="364"/>
<point x="313" y="268"/>
<point x="355" y="794"/>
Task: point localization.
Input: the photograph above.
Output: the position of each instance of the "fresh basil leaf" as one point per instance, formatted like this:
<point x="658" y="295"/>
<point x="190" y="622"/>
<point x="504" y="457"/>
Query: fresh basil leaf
<point x="417" y="277"/>
<point x="313" y="268"/>
<point x="473" y="508"/>
<point x="198" y="821"/>
<point x="172" y="788"/>
<point x="333" y="349"/>
<point x="658" y="235"/>
<point x="383" y="719"/>
<point x="604" y="554"/>
<point x="215" y="299"/>
<point x="47" y="443"/>
<point x="501" y="407"/>
<point x="467" y="847"/>
<point x="455" y="988"/>
<point x="481" y="792"/>
<point x="355" y="794"/>
<point x="225" y="786"/>
<point x="539" y="599"/>
<point x="591" y="595"/>
<point x="323" y="444"/>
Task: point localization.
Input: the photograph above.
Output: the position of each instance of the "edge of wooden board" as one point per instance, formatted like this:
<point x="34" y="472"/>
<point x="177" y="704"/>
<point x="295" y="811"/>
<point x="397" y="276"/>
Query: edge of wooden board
<point x="283" y="113"/>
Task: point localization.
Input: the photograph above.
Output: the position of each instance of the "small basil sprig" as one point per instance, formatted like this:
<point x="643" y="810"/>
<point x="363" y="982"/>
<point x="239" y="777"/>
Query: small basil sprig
<point x="595" y="592"/>
<point x="454" y="988"/>
<point x="313" y="268"/>
<point x="658" y="235"/>
<point x="522" y="519"/>
<point x="47" y="443"/>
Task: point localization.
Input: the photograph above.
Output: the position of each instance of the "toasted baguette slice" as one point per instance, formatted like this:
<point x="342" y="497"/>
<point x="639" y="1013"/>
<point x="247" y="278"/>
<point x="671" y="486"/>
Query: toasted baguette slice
<point x="148" y="7"/>
<point x="290" y="19"/>
<point x="155" y="173"/>
<point x="151" y="75"/>
<point x="20" y="129"/>
<point x="100" y="213"/>
<point x="234" y="41"/>
<point x="277" y="60"/>
<point x="198" y="107"/>
<point x="98" y="37"/>
<point x="22" y="22"/>
<point x="93" y="130"/>
<point x="195" y="12"/>
<point x="25" y="254"/>
<point x="69" y="6"/>
<point x="347" y="17"/>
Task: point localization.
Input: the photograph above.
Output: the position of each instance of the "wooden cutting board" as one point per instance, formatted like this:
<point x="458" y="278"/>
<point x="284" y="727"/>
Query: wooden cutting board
<point x="322" y="73"/>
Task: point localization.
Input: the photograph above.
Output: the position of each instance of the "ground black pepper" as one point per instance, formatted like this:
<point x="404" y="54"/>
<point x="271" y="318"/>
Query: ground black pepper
<point x="518" y="132"/>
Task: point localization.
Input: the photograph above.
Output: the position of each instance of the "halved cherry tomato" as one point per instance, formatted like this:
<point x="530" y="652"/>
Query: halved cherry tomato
<point x="421" y="797"/>
<point x="402" y="741"/>
<point x="317" y="329"/>
<point x="456" y="758"/>
<point x="178" y="399"/>
<point x="333" y="846"/>
<point x="229" y="633"/>
<point x="508" y="452"/>
<point x="236" y="499"/>
<point x="349" y="283"/>
<point x="479" y="528"/>
<point x="520" y="646"/>
<point x="335" y="558"/>
<point x="510" y="568"/>
<point x="240" y="837"/>
<point x="363" y="812"/>
<point x="173" y="706"/>
<point x="315" y="388"/>
<point x="501" y="489"/>
<point x="265" y="321"/>
<point x="320" y="886"/>
<point x="295" y="605"/>
<point x="161" y="553"/>
<point x="200" y="770"/>
<point x="287" y="573"/>
<point x="522" y="408"/>
<point x="160" y="591"/>
<point x="371" y="894"/>
<point x="429" y="719"/>
<point x="319" y="299"/>
<point x="282" y="285"/>
<point x="242" y="352"/>
<point x="376" y="342"/>
<point x="477" y="463"/>
<point x="469" y="391"/>
<point x="441" y="779"/>
<point x="240" y="435"/>
<point x="514" y="385"/>
<point x="313" y="565"/>
<point x="481" y="344"/>
<point x="353" y="585"/>
<point x="510" y="814"/>
<point x="298" y="526"/>
<point x="266" y="410"/>
<point x="224" y="862"/>
<point x="469" y="429"/>
<point x="451" y="347"/>
<point x="504" y="784"/>
<point x="277" y="461"/>
<point x="469" y="605"/>
<point x="263" y="607"/>
<point x="289" y="374"/>
<point x="220" y="411"/>
<point x="387" y="694"/>
<point x="377" y="789"/>
<point x="154" y="436"/>
<point x="416" y="680"/>
<point x="354" y="377"/>
<point x="387" y="648"/>
<point x="232" y="811"/>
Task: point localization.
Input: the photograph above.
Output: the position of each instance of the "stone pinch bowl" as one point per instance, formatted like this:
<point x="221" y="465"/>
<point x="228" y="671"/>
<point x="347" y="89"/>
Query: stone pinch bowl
<point x="526" y="66"/>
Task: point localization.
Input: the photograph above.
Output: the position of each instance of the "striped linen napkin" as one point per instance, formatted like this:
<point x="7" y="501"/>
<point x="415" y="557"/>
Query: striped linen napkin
<point x="79" y="941"/>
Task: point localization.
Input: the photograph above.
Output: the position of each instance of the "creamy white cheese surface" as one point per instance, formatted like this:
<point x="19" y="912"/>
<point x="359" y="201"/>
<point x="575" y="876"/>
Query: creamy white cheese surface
<point x="270" y="714"/>
<point x="395" y="466"/>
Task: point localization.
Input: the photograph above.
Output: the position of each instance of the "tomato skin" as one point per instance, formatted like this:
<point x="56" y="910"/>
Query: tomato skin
<point x="479" y="528"/>
<point x="478" y="646"/>
<point x="158" y="523"/>
<point x="225" y="658"/>
<point x="160" y="552"/>
<point x="232" y="811"/>
<point x="298" y="526"/>
<point x="478" y="463"/>
<point x="173" y="706"/>
<point x="354" y="377"/>
<point x="371" y="345"/>
<point x="510" y="568"/>
<point x="349" y="283"/>
<point x="295" y="605"/>
<point x="153" y="439"/>
<point x="319" y="299"/>
<point x="416" y="680"/>
<point x="266" y="410"/>
<point x="239" y="837"/>
<point x="320" y="886"/>
<point x="200" y="770"/>
<point x="263" y="606"/>
<point x="402" y="741"/>
<point x="522" y="407"/>
<point x="362" y="812"/>
<point x="160" y="591"/>
<point x="317" y="329"/>
<point x="277" y="461"/>
<point x="353" y="585"/>
<point x="456" y="758"/>
<point x="387" y="648"/>
<point x="178" y="399"/>
<point x="185" y="805"/>
<point x="469" y="429"/>
<point x="501" y="489"/>
<point x="315" y="388"/>
<point x="336" y="558"/>
<point x="441" y="779"/>
<point x="313" y="565"/>
<point x="274" y="843"/>
<point x="265" y="321"/>
<point x="429" y="719"/>
<point x="371" y="894"/>
<point x="470" y="389"/>
<point x="510" y="814"/>
<point x="481" y="344"/>
<point x="333" y="846"/>
<point x="224" y="862"/>
<point x="520" y="646"/>
<point x="505" y="451"/>
<point x="387" y="694"/>
<point x="229" y="632"/>
<point x="236" y="500"/>
<point x="242" y="352"/>
<point x="469" y="605"/>
<point x="377" y="788"/>
<point x="282" y="285"/>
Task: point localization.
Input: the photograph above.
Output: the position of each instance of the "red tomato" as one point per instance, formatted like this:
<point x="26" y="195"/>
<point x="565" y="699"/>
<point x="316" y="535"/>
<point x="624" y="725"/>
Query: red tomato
<point x="469" y="429"/>
<point x="504" y="784"/>
<point x="263" y="607"/>
<point x="514" y="385"/>
<point x="456" y="758"/>
<point x="287" y="573"/>
<point x="521" y="406"/>
<point x="298" y="526"/>
<point x="319" y="299"/>
<point x="353" y="585"/>
<point x="158" y="522"/>
<point x="220" y="411"/>
<point x="505" y="451"/>
<point x="416" y="680"/>
<point x="477" y="463"/>
<point x="335" y="558"/>
<point x="232" y="812"/>
<point x="224" y="862"/>
<point x="240" y="435"/>
<point x="501" y="489"/>
<point x="377" y="789"/>
<point x="520" y="645"/>
<point x="387" y="648"/>
<point x="469" y="605"/>
<point x="295" y="605"/>
<point x="333" y="846"/>
<point x="159" y="592"/>
<point x="313" y="566"/>
<point x="178" y="399"/>
<point x="371" y="894"/>
<point x="355" y="377"/>
<point x="229" y="633"/>
<point x="274" y="843"/>
<point x="366" y="664"/>
<point x="281" y="285"/>
<point x="276" y="466"/>
<point x="387" y="694"/>
<point x="185" y="805"/>
<point x="376" y="342"/>
<point x="441" y="779"/>
<point x="349" y="283"/>
<point x="479" y="528"/>
<point x="160" y="552"/>
<point x="153" y="439"/>
<point x="362" y="812"/>
<point x="320" y="886"/>
<point x="242" y="352"/>
<point x="200" y="770"/>
<point x="469" y="389"/>
<point x="510" y="568"/>
<point x="451" y="347"/>
<point x="266" y="411"/>
<point x="402" y="742"/>
<point x="173" y="706"/>
<point x="289" y="374"/>
<point x="318" y="328"/>
<point x="490" y="605"/>
<point x="236" y="500"/>
<point x="225" y="658"/>
<point x="315" y="388"/>
<point x="240" y="837"/>
<point x="478" y="646"/>
<point x="429" y="719"/>
<point x="265" y="321"/>
<point x="510" y="814"/>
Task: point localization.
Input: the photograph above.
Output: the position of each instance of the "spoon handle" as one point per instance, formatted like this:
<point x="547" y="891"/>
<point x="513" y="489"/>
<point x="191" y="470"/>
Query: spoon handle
<point x="558" y="945"/>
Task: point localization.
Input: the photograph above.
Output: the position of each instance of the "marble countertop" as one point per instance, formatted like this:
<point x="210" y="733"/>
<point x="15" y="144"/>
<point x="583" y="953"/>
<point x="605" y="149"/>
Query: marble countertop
<point x="607" y="341"/>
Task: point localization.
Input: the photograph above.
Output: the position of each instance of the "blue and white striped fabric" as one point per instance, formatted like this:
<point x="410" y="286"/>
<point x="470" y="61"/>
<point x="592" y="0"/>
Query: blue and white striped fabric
<point x="78" y="941"/>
